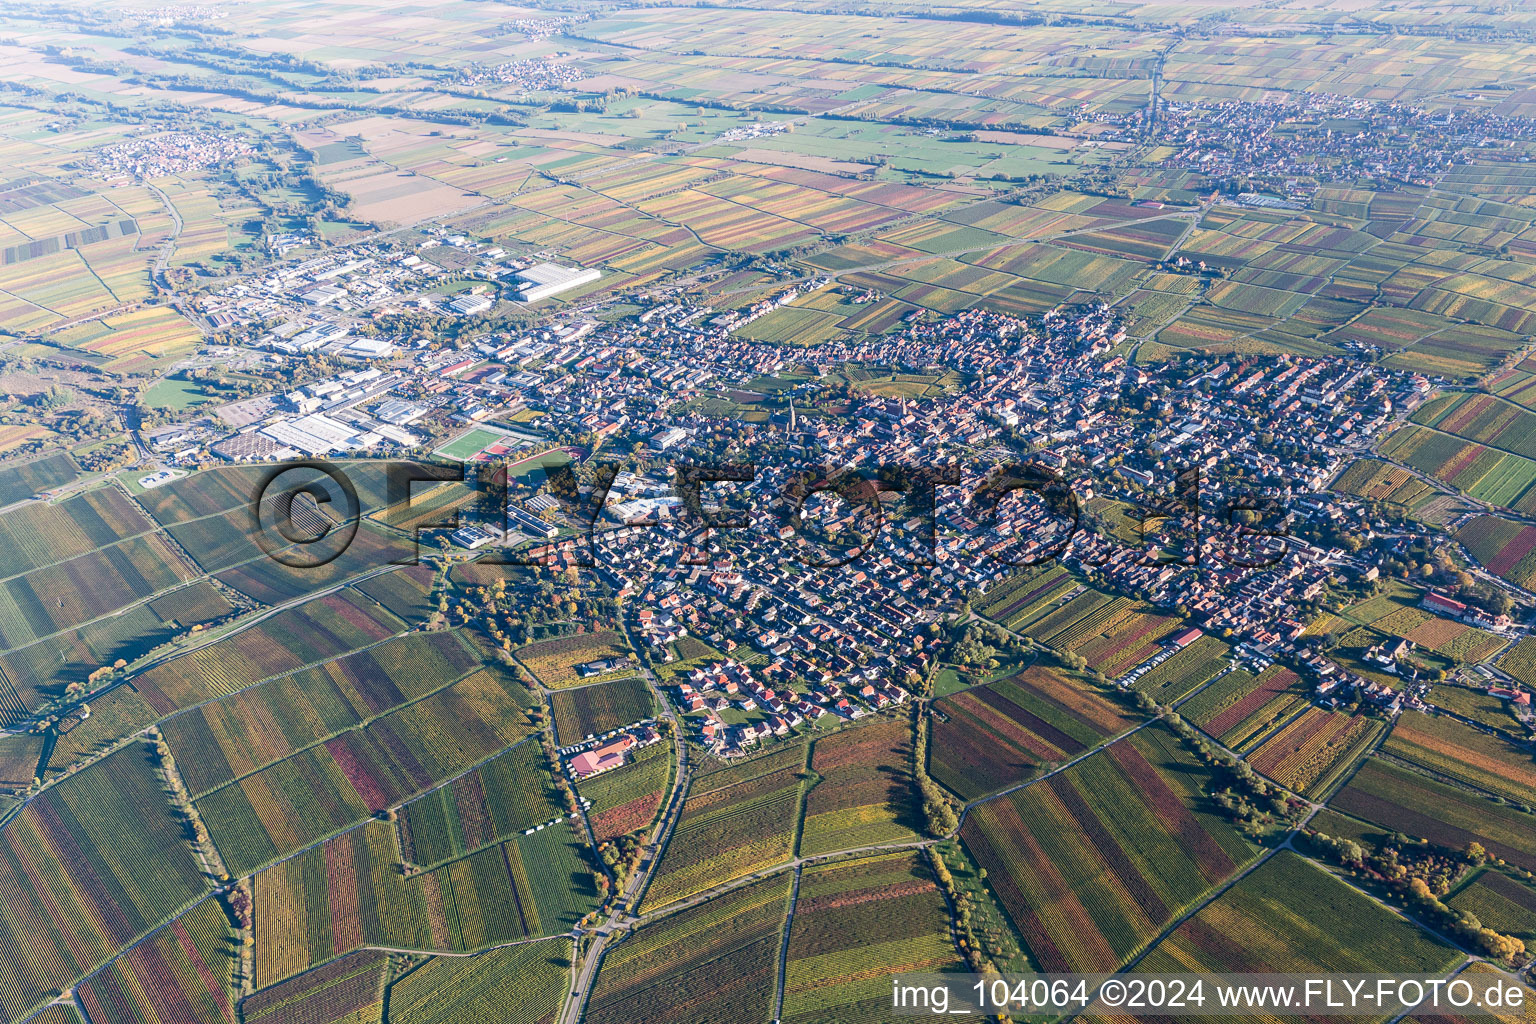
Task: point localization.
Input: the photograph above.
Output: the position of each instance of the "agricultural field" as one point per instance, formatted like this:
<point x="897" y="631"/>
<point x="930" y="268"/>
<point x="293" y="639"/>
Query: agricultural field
<point x="627" y="798"/>
<point x="406" y="592"/>
<point x="23" y="480"/>
<point x="349" y="891"/>
<point x="348" y="990"/>
<point x="863" y="792"/>
<point x="1520" y="661"/>
<point x="98" y="860"/>
<point x="1499" y="902"/>
<point x="553" y="662"/>
<point x="1381" y="481"/>
<point x="202" y="494"/>
<point x="121" y="712"/>
<point x="1474" y="703"/>
<point x="292" y="803"/>
<point x="1113" y="634"/>
<point x="62" y="596"/>
<point x="499" y="799"/>
<point x="1454" y="750"/>
<point x="1401" y="800"/>
<point x="1504" y="547"/>
<point x="1481" y="973"/>
<point x="597" y="709"/>
<point x="1458" y="642"/>
<point x="1091" y="863"/>
<point x="1021" y="596"/>
<point x="1487" y="474"/>
<point x="1291" y="916"/>
<point x="1457" y="351"/>
<point x="182" y="972"/>
<point x="139" y="341"/>
<point x="1395" y="612"/>
<point x="715" y="961"/>
<point x="45" y="533"/>
<point x="41" y="670"/>
<point x="271" y="582"/>
<point x="1240" y="708"/>
<point x="855" y="925"/>
<point x="19" y="758"/>
<point x="732" y="823"/>
<point x="992" y="736"/>
<point x="1311" y="753"/>
<point x="188" y="607"/>
<point x="526" y="984"/>
<point x="1186" y="671"/>
<point x="57" y="1013"/>
<point x="1484" y="418"/>
<point x="309" y="634"/>
<point x="285" y="807"/>
<point x="238" y="735"/>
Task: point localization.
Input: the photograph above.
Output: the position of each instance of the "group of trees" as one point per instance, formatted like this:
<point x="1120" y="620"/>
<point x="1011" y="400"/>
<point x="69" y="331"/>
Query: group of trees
<point x="1420" y="874"/>
<point x="938" y="812"/>
<point x="1257" y="806"/>
<point x="543" y="603"/>
<point x="622" y="857"/>
<point x="965" y="936"/>
<point x="983" y="645"/>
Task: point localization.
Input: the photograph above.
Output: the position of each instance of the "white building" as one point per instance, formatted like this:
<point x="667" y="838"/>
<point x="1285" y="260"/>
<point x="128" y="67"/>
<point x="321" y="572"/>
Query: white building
<point x="468" y="305"/>
<point x="318" y="434"/>
<point x="668" y="438"/>
<point x="323" y="295"/>
<point x="542" y="280"/>
<point x="399" y="412"/>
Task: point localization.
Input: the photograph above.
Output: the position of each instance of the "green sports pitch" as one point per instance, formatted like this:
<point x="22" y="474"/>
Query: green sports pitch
<point x="471" y="443"/>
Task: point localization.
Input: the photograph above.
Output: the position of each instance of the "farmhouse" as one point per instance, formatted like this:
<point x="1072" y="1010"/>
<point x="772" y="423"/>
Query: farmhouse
<point x="601" y="665"/>
<point x="1440" y="603"/>
<point x="1185" y="637"/>
<point x="601" y="759"/>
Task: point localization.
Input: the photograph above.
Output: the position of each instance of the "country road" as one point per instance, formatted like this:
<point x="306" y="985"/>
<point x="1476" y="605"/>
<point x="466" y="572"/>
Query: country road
<point x="621" y="918"/>
<point x="168" y="247"/>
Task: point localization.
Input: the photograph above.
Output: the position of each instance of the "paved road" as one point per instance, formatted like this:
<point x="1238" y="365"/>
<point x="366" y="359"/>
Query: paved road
<point x="622" y="919"/>
<point x="168" y="247"/>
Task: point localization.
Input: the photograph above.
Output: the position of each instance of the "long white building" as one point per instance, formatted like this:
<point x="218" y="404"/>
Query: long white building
<point x="542" y="280"/>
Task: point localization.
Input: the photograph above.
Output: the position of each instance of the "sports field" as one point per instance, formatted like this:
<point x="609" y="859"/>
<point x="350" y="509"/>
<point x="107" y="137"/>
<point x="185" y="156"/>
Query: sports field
<point x="473" y="443"/>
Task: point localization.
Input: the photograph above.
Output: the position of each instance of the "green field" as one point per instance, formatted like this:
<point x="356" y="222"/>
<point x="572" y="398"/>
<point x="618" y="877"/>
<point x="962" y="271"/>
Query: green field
<point x="469" y="444"/>
<point x="531" y="977"/>
<point x="1292" y="916"/>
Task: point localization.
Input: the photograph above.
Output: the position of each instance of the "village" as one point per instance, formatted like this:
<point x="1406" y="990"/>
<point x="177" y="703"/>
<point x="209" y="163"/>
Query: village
<point x="1167" y="446"/>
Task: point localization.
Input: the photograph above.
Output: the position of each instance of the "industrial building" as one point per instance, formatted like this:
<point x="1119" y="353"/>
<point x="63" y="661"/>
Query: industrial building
<point x="318" y="434"/>
<point x="542" y="280"/>
<point x="468" y="305"/>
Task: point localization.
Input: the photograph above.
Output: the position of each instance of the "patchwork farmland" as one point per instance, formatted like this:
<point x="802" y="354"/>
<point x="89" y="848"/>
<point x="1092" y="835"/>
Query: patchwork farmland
<point x="992" y="736"/>
<point x="1130" y="846"/>
<point x="854" y="925"/>
<point x="618" y="745"/>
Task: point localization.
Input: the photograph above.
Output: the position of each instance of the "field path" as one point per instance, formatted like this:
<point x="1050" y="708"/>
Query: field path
<point x="789" y="920"/>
